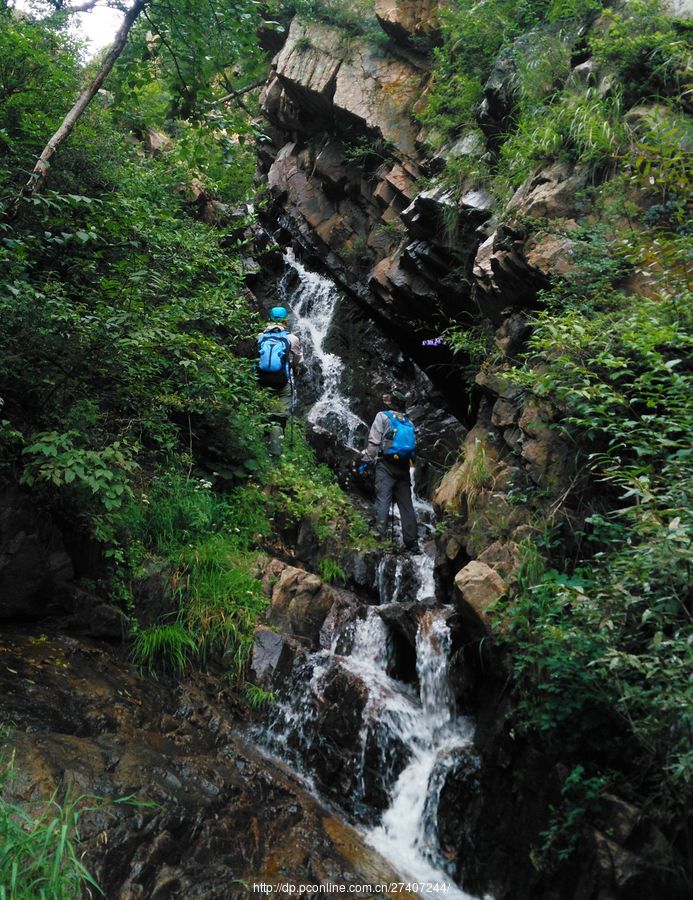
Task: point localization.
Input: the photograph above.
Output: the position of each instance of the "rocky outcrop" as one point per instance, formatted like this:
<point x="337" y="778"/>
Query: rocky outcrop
<point x="405" y="20"/>
<point x="333" y="77"/>
<point x="517" y="784"/>
<point x="394" y="243"/>
<point x="480" y="587"/>
<point x="302" y="607"/>
<point x="300" y="602"/>
<point x="363" y="196"/>
<point x="343" y="172"/>
<point x="273" y="657"/>
<point x="207" y="815"/>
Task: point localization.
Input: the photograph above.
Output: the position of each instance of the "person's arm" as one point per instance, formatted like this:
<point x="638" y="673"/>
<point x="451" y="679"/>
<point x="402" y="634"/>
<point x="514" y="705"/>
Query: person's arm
<point x="379" y="429"/>
<point x="297" y="365"/>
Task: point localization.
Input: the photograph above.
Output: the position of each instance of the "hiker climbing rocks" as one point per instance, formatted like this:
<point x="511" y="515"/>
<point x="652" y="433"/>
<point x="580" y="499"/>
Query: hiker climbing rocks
<point x="280" y="360"/>
<point x="391" y="446"/>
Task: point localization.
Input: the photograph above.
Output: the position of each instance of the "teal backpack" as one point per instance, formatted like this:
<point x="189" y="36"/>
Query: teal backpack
<point x="274" y="350"/>
<point x="400" y="441"/>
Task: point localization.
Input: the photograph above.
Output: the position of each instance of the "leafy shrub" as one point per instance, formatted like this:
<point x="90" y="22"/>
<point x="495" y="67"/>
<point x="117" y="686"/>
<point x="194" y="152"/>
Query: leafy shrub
<point x="473" y="342"/>
<point x="473" y="37"/>
<point x="210" y="540"/>
<point x="584" y="127"/>
<point x="330" y="570"/>
<point x="580" y="799"/>
<point x="597" y="265"/>
<point x="647" y="49"/>
<point x="54" y="458"/>
<point x="602" y="651"/>
<point x="355" y="16"/>
<point x="257" y="696"/>
<point x="39" y="74"/>
<point x="167" y="646"/>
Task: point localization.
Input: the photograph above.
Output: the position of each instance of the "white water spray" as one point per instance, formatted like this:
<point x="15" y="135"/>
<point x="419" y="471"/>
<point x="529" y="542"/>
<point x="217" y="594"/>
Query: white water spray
<point x="312" y="300"/>
<point x="435" y="738"/>
<point x="409" y="740"/>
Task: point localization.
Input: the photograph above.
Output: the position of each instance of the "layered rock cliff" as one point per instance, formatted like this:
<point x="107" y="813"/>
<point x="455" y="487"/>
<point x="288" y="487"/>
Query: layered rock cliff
<point x="350" y="178"/>
<point x="353" y="184"/>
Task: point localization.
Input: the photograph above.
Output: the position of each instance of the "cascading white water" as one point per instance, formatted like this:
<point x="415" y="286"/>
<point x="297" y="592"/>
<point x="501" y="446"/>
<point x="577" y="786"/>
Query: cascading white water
<point x="406" y="835"/>
<point x="312" y="300"/>
<point x="432" y="650"/>
<point x="408" y="741"/>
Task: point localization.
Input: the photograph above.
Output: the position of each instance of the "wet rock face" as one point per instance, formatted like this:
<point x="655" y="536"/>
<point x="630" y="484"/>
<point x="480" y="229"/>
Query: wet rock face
<point x="373" y="363"/>
<point x="216" y="814"/>
<point x="342" y="170"/>
<point x="412" y="258"/>
<point x="324" y="740"/>
<point x="300" y="604"/>
<point x="490" y="815"/>
<point x="334" y="754"/>
<point x="273" y="657"/>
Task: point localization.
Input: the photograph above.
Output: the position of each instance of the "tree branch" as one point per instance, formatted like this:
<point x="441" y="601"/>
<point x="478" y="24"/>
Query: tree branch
<point x="234" y="94"/>
<point x="38" y="175"/>
<point x="158" y="31"/>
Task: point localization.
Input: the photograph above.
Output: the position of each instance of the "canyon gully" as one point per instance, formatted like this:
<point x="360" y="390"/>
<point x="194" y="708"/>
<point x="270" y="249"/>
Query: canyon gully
<point x="388" y="704"/>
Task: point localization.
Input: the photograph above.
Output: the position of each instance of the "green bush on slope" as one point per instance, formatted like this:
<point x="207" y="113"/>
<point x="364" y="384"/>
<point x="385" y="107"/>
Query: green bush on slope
<point x="600" y="635"/>
<point x="128" y="405"/>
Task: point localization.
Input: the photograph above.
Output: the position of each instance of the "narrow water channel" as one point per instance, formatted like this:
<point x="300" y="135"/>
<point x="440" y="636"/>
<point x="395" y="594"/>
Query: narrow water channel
<point x="408" y="734"/>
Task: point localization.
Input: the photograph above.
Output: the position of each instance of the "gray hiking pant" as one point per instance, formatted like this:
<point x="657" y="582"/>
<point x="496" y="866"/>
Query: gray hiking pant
<point x="280" y="413"/>
<point x="392" y="482"/>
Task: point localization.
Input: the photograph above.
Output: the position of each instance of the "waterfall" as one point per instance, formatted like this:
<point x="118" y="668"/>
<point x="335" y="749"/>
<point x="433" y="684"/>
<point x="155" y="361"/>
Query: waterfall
<point x="414" y="737"/>
<point x="312" y="301"/>
<point x="405" y="738"/>
<point x="407" y="833"/>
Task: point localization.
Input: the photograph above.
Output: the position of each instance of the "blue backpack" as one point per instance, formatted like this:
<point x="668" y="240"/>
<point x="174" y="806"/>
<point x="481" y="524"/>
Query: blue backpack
<point x="274" y="351"/>
<point x="400" y="441"/>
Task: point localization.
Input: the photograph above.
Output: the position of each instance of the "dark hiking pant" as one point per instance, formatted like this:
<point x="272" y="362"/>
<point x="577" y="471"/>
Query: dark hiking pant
<point x="280" y="414"/>
<point x="392" y="482"/>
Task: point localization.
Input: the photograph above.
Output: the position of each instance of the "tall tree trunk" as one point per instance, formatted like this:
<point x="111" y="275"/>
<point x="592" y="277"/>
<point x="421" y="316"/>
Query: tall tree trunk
<point x="38" y="175"/>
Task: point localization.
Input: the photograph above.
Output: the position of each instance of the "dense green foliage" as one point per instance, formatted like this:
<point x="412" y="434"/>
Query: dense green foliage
<point x="600" y="631"/>
<point x="639" y="54"/>
<point x="128" y="402"/>
<point x="129" y="408"/>
<point x="357" y="17"/>
<point x="210" y="541"/>
<point x="602" y="649"/>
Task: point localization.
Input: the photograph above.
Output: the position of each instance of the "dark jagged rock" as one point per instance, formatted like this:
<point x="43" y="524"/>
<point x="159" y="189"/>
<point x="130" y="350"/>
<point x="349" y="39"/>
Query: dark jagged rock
<point x="412" y="257"/>
<point x="402" y="620"/>
<point x="334" y="752"/>
<point x="273" y="657"/>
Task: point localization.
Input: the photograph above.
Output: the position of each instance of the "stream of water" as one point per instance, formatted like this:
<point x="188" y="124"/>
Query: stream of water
<point x="312" y="298"/>
<point x="413" y="729"/>
<point x="427" y="726"/>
